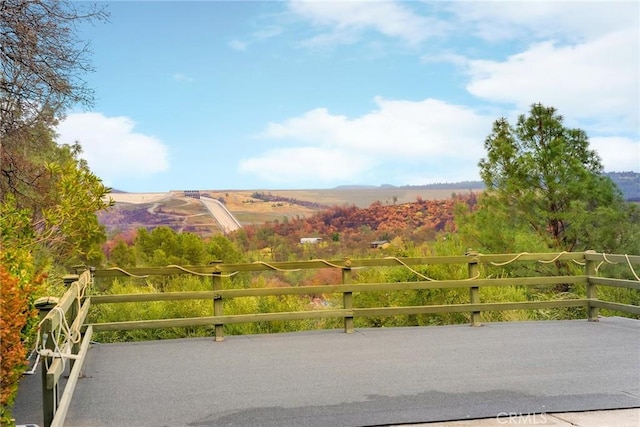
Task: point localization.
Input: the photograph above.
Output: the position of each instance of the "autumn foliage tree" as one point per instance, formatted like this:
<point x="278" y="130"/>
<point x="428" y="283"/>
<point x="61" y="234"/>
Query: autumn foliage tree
<point x="17" y="316"/>
<point x="13" y="317"/>
<point x="351" y="227"/>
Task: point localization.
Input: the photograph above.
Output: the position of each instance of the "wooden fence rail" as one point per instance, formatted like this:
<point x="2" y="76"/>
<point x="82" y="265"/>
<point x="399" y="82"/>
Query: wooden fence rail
<point x="63" y="341"/>
<point x="66" y="324"/>
<point x="475" y="307"/>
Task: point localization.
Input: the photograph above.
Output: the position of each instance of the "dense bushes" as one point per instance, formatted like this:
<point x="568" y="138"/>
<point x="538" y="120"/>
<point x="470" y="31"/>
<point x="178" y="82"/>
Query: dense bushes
<point x="163" y="246"/>
<point x="197" y="308"/>
<point x="332" y="276"/>
<point x="16" y="318"/>
<point x="175" y="247"/>
<point x="18" y="281"/>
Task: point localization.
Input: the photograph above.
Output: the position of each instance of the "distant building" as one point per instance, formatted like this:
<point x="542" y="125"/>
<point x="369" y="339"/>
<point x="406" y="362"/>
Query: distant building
<point x="192" y="193"/>
<point x="310" y="240"/>
<point x="377" y="244"/>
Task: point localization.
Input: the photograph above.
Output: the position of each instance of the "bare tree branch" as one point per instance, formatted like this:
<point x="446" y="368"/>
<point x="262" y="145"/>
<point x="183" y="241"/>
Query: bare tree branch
<point x="42" y="60"/>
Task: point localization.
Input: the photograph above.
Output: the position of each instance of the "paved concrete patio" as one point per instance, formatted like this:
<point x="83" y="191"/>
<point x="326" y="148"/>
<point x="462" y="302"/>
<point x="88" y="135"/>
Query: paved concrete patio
<point x="372" y="377"/>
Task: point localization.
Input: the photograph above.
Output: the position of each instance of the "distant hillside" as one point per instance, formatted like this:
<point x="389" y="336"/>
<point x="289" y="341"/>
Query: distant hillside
<point x="461" y="185"/>
<point x="627" y="182"/>
<point x="418" y="221"/>
<point x="176" y="210"/>
<point x="469" y="185"/>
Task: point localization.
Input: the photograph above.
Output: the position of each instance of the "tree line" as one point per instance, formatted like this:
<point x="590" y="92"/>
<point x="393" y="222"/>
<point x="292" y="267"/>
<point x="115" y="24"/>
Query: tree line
<point x="48" y="195"/>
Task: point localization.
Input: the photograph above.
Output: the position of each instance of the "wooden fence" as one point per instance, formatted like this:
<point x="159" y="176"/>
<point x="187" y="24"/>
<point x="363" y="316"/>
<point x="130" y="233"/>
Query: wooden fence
<point x="65" y="325"/>
<point x="61" y="342"/>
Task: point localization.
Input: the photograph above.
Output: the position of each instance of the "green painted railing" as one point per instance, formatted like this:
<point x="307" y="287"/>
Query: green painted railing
<point x="347" y="288"/>
<point x="75" y="304"/>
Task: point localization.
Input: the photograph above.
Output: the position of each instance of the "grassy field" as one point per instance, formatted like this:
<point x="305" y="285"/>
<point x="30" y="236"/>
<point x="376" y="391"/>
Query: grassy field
<point x="360" y="197"/>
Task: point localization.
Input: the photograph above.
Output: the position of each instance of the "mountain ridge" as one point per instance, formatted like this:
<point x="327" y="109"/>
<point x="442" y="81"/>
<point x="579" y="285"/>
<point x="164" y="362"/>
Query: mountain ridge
<point x="627" y="181"/>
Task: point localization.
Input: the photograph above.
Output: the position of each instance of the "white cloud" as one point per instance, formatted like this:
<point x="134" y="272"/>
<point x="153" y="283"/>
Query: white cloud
<point x="312" y="164"/>
<point x="427" y="136"/>
<point x="597" y="80"/>
<point x="238" y="45"/>
<point x="396" y="129"/>
<point x="112" y="148"/>
<point x="267" y="32"/>
<point x="181" y="77"/>
<point x="334" y="38"/>
<point x="618" y="154"/>
<point x="345" y="18"/>
<point x="261" y="36"/>
<point x="446" y="57"/>
<point x="570" y="20"/>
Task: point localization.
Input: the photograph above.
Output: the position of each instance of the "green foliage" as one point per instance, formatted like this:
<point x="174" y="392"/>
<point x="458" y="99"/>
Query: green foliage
<point x="621" y="295"/>
<point x="406" y="298"/>
<point x="153" y="310"/>
<point x="46" y="222"/>
<point x="616" y="294"/>
<point x="24" y="153"/>
<point x="543" y="179"/>
<point x="198" y="308"/>
<point x="220" y="248"/>
<point x="498" y="229"/>
<point x="19" y="280"/>
<point x="58" y="191"/>
<point x="504" y="294"/>
<point x="163" y="246"/>
<point x="390" y="298"/>
<point x="69" y="225"/>
<point x="493" y="229"/>
<point x="15" y="233"/>
<point x="48" y="195"/>
<point x="122" y="255"/>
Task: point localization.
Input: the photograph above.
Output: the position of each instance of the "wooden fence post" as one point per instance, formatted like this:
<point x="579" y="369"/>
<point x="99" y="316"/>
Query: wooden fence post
<point x="592" y="292"/>
<point x="218" y="308"/>
<point x="474" y="291"/>
<point x="49" y="394"/>
<point x="347" y="298"/>
<point x="72" y="280"/>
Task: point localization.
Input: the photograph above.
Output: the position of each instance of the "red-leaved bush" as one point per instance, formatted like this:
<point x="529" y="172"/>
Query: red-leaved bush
<point x="16" y="313"/>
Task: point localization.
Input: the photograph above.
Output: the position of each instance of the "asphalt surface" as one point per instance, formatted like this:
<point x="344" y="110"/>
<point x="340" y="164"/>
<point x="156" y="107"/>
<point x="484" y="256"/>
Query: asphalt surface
<point x="372" y="377"/>
<point x="608" y="418"/>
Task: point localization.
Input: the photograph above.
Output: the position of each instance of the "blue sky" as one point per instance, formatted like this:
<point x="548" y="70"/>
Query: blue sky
<point x="299" y="94"/>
